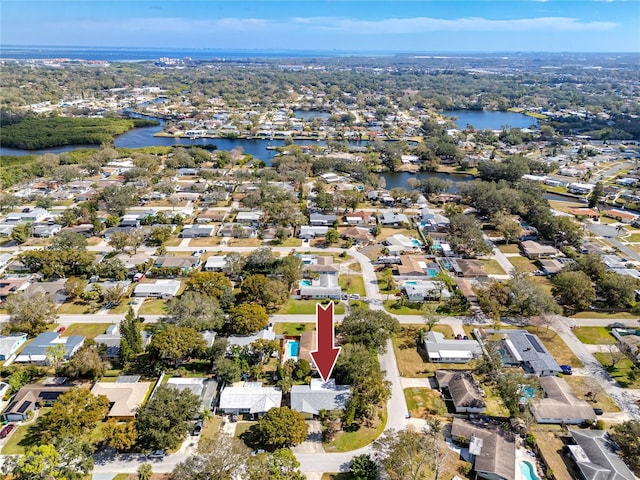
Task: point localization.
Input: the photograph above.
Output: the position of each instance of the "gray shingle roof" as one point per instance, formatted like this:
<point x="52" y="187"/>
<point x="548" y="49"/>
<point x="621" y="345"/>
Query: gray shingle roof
<point x="595" y="455"/>
<point x="529" y="350"/>
<point x="318" y="396"/>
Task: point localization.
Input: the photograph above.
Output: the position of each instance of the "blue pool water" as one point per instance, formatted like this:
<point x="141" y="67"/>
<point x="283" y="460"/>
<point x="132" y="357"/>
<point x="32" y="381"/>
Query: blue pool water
<point x="528" y="472"/>
<point x="305" y="283"/>
<point x="416" y="242"/>
<point x="292" y="348"/>
<point x="432" y="272"/>
<point x="411" y="282"/>
<point x="526" y="393"/>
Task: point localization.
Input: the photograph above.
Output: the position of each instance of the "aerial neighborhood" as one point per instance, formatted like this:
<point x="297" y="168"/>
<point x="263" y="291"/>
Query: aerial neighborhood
<point x="158" y="302"/>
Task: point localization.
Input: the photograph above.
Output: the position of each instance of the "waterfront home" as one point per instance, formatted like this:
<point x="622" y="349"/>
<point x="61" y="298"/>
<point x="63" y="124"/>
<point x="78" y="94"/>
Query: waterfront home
<point x="466" y="396"/>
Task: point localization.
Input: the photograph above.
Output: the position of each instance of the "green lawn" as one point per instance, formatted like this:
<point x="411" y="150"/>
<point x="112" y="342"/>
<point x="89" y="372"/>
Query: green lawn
<point x="410" y="363"/>
<point x="556" y="346"/>
<point x="595" y="335"/>
<point x="352" y="284"/>
<point x="242" y="427"/>
<point x="523" y="263"/>
<point x="620" y="372"/>
<point x="424" y="402"/>
<point x="89" y="330"/>
<point x="73" y="308"/>
<point x="337" y="476"/>
<point x="153" y="307"/>
<point x="606" y="315"/>
<point x="291" y="242"/>
<point x="492" y="267"/>
<point x="292" y="328"/>
<point x="633" y="238"/>
<point x="306" y="307"/>
<point x="18" y="441"/>
<point x="363" y="436"/>
<point x="390" y="306"/>
<point x="211" y="428"/>
<point x="493" y="402"/>
<point x="511" y="248"/>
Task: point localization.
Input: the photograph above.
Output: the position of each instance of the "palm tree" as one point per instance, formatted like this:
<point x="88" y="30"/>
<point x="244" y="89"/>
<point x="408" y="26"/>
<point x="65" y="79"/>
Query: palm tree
<point x="619" y="228"/>
<point x="145" y="471"/>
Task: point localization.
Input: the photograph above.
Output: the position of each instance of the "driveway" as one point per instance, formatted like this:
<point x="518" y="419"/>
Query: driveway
<point x="313" y="443"/>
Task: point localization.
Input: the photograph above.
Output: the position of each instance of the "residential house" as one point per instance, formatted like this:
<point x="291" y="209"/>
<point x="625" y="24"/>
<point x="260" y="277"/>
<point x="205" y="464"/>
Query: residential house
<point x="164" y="289"/>
<point x="491" y="450"/>
<point x="424" y="290"/>
<point x="131" y="262"/>
<point x="204" y="388"/>
<point x="325" y="286"/>
<point x="560" y="404"/>
<point x="215" y="264"/>
<point x="417" y="265"/>
<point x="111" y="342"/>
<point x="621" y="215"/>
<point x="237" y="230"/>
<point x="467" y="397"/>
<point x="440" y="349"/>
<point x="9" y="344"/>
<point x="35" y="215"/>
<point x="244" y="340"/>
<point x="399" y="243"/>
<point x="392" y="219"/>
<point x="249" y="397"/>
<point x="319" y="220"/>
<point x="197" y="231"/>
<point x="467" y="288"/>
<point x="533" y="250"/>
<point x="317" y="264"/>
<point x="595" y="455"/>
<point x="209" y="216"/>
<point x="32" y="396"/>
<point x="308" y="232"/>
<point x="524" y="349"/>
<point x="432" y="221"/>
<point x="359" y="235"/>
<point x="319" y="395"/>
<point x="249" y="218"/>
<point x="9" y="286"/>
<point x="551" y="266"/>
<point x="628" y="341"/>
<point x="359" y="218"/>
<point x="36" y="351"/>
<point x="124" y="398"/>
<point x="44" y="230"/>
<point x="468" y="268"/>
<point x="185" y="264"/>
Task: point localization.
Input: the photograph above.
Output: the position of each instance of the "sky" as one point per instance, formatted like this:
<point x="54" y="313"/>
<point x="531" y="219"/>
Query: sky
<point x="367" y="26"/>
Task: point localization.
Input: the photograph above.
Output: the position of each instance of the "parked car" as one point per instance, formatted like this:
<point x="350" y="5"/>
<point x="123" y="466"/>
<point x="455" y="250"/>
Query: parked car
<point x="598" y="411"/>
<point x="566" y="369"/>
<point x="354" y="296"/>
<point x="157" y="454"/>
<point x="6" y="430"/>
<point x="616" y="325"/>
<point x="197" y="429"/>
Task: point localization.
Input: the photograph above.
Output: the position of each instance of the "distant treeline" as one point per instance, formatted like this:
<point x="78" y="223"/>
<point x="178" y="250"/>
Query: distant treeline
<point x="37" y="133"/>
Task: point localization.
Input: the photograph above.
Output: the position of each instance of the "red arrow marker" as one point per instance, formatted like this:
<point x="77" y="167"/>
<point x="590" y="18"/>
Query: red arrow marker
<point x="326" y="353"/>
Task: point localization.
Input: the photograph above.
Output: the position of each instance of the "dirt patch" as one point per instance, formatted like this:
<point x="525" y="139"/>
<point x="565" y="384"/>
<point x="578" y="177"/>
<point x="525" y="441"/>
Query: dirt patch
<point x="551" y="445"/>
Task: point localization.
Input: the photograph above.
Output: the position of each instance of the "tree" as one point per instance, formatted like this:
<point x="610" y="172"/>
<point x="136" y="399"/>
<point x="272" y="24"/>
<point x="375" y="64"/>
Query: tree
<point x="118" y="198"/>
<point x="195" y="310"/>
<point x="159" y="235"/>
<point x="76" y="457"/>
<point x="508" y="227"/>
<point x="163" y="422"/>
<point x="364" y="468"/>
<point x="387" y="277"/>
<point x="429" y="316"/>
<point x="510" y="388"/>
<point x="371" y="328"/>
<point x="174" y="344"/>
<point x="212" y="284"/>
<point x="233" y="264"/>
<point x="86" y="363"/>
<point x="112" y="268"/>
<point x="281" y="427"/>
<point x="130" y="338"/>
<point x="405" y="455"/>
<point x="145" y="471"/>
<point x="264" y="291"/>
<point x="627" y="436"/>
<point x="290" y="268"/>
<point x="135" y="238"/>
<point x="228" y="370"/>
<point x="279" y="465"/>
<point x="246" y="319"/>
<point x="30" y="312"/>
<point x="21" y="232"/>
<point x="119" y="241"/>
<point x="74" y="287"/>
<point x="596" y="195"/>
<point x="573" y="290"/>
<point x="74" y="414"/>
<point x="219" y="458"/>
<point x="66" y="240"/>
<point x="331" y="236"/>
<point x="115" y="294"/>
<point x="120" y="435"/>
<point x="38" y="463"/>
<point x="618" y="290"/>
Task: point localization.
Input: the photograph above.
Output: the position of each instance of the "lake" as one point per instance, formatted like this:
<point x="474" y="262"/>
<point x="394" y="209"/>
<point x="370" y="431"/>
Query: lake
<point x="490" y="120"/>
<point x="310" y="114"/>
<point x="399" y="179"/>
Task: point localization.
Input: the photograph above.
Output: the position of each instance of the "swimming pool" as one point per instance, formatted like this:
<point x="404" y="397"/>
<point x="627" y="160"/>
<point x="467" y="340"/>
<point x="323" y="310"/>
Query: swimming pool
<point x="528" y="472"/>
<point x="417" y="243"/>
<point x="432" y="272"/>
<point x="526" y="393"/>
<point x="410" y="282"/>
<point x="292" y="349"/>
<point x="305" y="283"/>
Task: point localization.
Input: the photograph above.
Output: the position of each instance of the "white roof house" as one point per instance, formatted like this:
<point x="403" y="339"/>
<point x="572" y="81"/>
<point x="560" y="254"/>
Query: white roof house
<point x="250" y="397"/>
<point x="318" y="396"/>
<point x="440" y="349"/>
<point x="326" y="286"/>
<point x="215" y="264"/>
<point x="160" y="289"/>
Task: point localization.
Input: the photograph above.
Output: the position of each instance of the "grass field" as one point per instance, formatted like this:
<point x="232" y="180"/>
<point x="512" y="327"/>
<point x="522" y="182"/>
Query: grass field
<point x="620" y="372"/>
<point x="633" y="238"/>
<point x="292" y="328"/>
<point x="523" y="264"/>
<point x="363" y="436"/>
<point x="352" y="284"/>
<point x="73" y="308"/>
<point x="543" y="282"/>
<point x="291" y="242"/>
<point x="337" y="476"/>
<point x="245" y="242"/>
<point x="492" y="267"/>
<point x="606" y="315"/>
<point x="306" y="307"/>
<point x="203" y="242"/>
<point x="89" y="330"/>
<point x="582" y="385"/>
<point x="153" y="307"/>
<point x="557" y="347"/>
<point x="595" y="335"/>
<point x="511" y="248"/>
<point x="424" y="402"/>
<point x="404" y="310"/>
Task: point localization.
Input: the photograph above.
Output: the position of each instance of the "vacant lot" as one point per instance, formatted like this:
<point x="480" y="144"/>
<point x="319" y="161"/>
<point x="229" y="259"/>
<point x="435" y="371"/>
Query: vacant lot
<point x="607" y="315"/>
<point x="582" y="385"/>
<point x="551" y="445"/>
<point x="522" y="263"/>
<point x="492" y="267"/>
<point x="360" y="436"/>
<point x="424" y="402"/>
<point x="204" y="242"/>
<point x="306" y="307"/>
<point x="153" y="307"/>
<point x="622" y="372"/>
<point x="352" y="284"/>
<point x="595" y="335"/>
<point x="89" y="330"/>
<point x="73" y="308"/>
<point x="557" y="347"/>
<point x="511" y="248"/>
